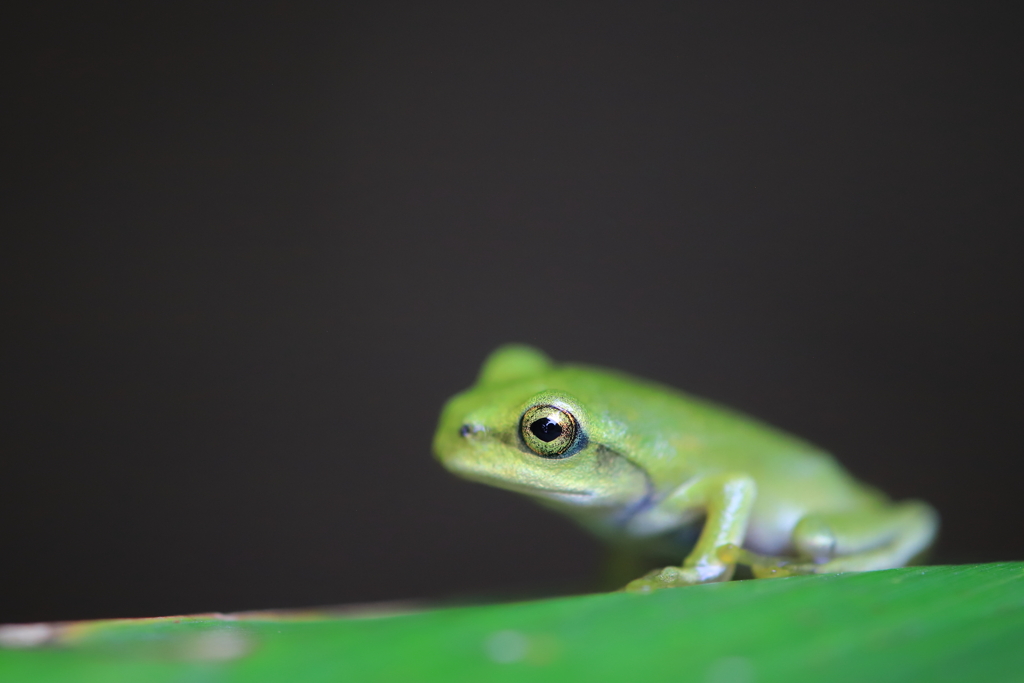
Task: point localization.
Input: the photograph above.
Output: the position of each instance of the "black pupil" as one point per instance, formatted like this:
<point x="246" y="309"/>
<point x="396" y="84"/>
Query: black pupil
<point x="546" y="429"/>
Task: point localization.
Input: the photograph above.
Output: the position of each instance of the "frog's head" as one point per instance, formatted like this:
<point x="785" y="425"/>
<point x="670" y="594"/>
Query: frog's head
<point x="523" y="428"/>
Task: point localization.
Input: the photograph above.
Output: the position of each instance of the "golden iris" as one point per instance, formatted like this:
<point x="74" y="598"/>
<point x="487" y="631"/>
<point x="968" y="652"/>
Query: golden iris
<point x="548" y="431"/>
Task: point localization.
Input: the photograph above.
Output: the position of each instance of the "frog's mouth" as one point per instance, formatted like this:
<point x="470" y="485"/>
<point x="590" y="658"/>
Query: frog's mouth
<point x="531" y="490"/>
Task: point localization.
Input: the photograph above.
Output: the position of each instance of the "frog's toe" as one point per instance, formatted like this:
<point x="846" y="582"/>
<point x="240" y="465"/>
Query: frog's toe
<point x="641" y="586"/>
<point x="770" y="570"/>
<point x="669" y="577"/>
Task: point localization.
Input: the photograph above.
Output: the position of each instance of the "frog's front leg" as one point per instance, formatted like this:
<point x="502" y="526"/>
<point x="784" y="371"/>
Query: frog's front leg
<point x="726" y="500"/>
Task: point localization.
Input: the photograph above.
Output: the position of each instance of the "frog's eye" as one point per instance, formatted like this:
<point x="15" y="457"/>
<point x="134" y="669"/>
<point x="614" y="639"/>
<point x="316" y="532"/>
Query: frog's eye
<point x="548" y="431"/>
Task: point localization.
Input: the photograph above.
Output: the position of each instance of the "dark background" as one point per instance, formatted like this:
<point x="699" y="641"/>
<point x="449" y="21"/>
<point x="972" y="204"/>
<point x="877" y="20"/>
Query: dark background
<point x="250" y="251"/>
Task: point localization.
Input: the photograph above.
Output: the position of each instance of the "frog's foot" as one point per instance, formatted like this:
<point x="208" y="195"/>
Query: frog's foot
<point x="672" y="577"/>
<point x="766" y="566"/>
<point x="867" y="540"/>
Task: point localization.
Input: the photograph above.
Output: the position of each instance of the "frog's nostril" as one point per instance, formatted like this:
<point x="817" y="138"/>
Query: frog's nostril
<point x="467" y="430"/>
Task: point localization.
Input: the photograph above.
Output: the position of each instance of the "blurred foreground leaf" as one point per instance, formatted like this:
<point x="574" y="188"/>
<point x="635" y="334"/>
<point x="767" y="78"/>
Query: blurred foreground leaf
<point x="959" y="623"/>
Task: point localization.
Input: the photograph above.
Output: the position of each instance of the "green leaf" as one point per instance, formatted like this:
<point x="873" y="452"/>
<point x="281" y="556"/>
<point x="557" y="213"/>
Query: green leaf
<point x="958" y="623"/>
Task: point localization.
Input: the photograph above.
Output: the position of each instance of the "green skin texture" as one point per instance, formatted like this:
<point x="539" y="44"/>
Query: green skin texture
<point x="649" y="462"/>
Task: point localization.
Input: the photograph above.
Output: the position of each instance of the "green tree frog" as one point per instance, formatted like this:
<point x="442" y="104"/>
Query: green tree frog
<point x="653" y="470"/>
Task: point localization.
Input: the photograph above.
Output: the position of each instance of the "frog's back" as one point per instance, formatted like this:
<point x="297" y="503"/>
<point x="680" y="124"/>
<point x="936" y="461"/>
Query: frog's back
<point x="677" y="435"/>
<point x="648" y="407"/>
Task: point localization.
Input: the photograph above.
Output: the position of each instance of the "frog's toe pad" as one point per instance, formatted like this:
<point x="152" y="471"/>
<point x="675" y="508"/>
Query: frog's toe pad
<point x="671" y="577"/>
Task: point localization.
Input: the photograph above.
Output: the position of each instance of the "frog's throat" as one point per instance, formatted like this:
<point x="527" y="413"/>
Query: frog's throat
<point x="618" y="468"/>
